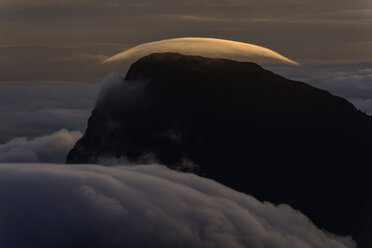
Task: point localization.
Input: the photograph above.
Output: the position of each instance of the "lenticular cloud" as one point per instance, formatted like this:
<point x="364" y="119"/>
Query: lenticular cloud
<point x="46" y="205"/>
<point x="207" y="47"/>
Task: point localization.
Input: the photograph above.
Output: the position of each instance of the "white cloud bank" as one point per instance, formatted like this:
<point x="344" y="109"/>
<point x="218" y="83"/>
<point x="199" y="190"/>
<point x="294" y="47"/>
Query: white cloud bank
<point x="51" y="148"/>
<point x="46" y="205"/>
<point x="208" y="47"/>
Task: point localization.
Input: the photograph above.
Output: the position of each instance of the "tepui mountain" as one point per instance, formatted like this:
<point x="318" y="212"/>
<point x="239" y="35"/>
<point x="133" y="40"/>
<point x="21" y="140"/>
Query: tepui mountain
<point x="277" y="139"/>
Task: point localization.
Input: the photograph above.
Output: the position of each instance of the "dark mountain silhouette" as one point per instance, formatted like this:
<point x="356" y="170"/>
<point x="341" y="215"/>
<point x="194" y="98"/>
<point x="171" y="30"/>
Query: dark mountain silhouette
<point x="280" y="140"/>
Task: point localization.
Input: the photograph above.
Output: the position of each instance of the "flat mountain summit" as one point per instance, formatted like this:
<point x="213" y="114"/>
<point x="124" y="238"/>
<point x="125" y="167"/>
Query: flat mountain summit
<point x="279" y="140"/>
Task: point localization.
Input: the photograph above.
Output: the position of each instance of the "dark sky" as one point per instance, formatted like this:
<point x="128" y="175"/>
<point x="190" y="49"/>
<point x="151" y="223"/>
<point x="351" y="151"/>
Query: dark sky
<point x="67" y="40"/>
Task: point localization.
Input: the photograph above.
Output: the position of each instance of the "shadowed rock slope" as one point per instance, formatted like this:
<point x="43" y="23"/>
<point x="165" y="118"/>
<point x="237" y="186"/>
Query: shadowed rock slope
<point x="246" y="127"/>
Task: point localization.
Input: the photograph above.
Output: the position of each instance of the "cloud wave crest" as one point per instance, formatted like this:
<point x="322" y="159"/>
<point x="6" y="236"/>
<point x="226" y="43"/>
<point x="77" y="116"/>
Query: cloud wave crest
<point x="51" y="148"/>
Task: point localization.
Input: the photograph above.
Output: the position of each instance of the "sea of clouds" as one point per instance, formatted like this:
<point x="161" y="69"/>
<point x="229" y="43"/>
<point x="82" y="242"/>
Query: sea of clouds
<point x="34" y="109"/>
<point x="350" y="81"/>
<point x="51" y="148"/>
<point x="49" y="205"/>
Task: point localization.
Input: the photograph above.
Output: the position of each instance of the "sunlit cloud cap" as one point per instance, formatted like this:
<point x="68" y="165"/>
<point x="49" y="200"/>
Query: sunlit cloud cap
<point x="207" y="47"/>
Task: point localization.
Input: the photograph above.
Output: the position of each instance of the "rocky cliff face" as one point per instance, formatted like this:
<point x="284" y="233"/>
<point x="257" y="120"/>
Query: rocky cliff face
<point x="246" y="127"/>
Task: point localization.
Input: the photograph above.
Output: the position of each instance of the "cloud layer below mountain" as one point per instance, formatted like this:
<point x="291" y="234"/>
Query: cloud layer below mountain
<point x="351" y="81"/>
<point x="34" y="109"/>
<point x="142" y="206"/>
<point x="51" y="148"/>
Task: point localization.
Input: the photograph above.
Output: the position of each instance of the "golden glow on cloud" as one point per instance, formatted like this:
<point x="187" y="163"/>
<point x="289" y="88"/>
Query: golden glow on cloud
<point x="208" y="47"/>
